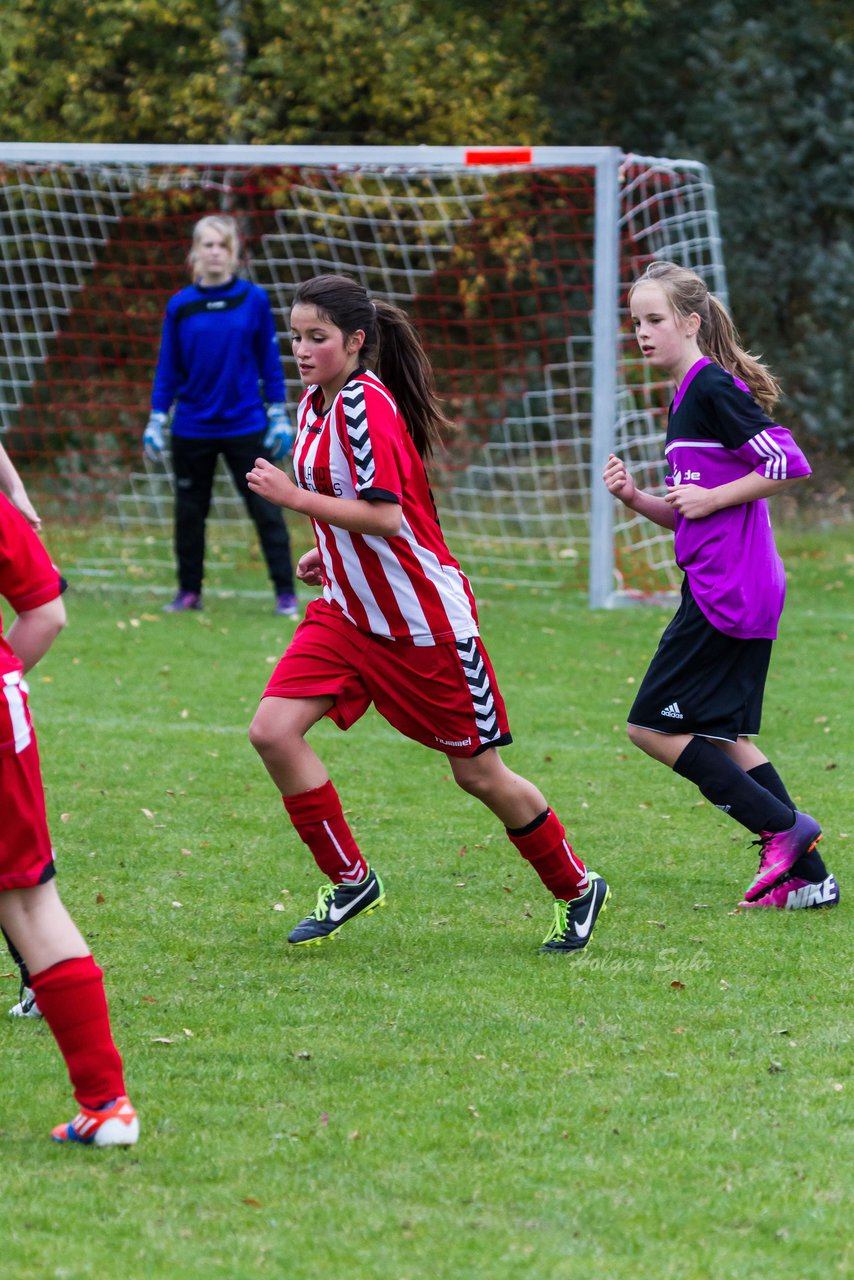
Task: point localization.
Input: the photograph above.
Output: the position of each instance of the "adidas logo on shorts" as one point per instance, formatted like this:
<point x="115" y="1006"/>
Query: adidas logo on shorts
<point x="672" y="711"/>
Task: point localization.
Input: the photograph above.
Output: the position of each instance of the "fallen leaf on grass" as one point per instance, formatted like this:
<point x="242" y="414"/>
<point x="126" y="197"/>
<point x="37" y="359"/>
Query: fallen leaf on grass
<point x="677" y="985"/>
<point x="163" y="1040"/>
<point x="146" y="813"/>
<point x="775" y="1068"/>
<point x="99" y="898"/>
<point x="252" y="1202"/>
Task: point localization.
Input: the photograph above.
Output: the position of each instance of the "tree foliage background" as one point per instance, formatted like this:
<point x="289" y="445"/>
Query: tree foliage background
<point x="760" y="93"/>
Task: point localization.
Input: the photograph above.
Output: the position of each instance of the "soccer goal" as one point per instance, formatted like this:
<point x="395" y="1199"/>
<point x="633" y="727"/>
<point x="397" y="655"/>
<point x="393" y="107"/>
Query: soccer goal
<point x="513" y="263"/>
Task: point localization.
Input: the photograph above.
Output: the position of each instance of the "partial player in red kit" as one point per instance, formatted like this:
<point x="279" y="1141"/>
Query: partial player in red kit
<point x="397" y="622"/>
<point x="64" y="977"/>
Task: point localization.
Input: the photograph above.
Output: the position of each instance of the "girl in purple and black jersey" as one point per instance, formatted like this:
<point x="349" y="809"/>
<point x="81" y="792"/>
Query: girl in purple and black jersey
<point x="700" y="702"/>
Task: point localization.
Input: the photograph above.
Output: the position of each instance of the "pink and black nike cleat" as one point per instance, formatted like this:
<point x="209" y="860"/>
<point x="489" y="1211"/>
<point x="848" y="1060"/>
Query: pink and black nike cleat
<point x="780" y="850"/>
<point x="113" y="1125"/>
<point x="795" y="894"/>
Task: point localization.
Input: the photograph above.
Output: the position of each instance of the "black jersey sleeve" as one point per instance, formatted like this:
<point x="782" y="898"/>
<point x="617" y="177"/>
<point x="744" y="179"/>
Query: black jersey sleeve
<point x="733" y="416"/>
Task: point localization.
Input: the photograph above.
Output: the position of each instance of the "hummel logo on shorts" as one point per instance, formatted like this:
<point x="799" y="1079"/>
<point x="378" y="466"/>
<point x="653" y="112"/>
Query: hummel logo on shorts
<point x="672" y="711"/>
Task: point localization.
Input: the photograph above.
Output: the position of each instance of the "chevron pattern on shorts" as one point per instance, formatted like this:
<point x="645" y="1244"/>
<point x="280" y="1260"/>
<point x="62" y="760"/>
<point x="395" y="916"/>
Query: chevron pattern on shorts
<point x="356" y="417"/>
<point x="480" y="689"/>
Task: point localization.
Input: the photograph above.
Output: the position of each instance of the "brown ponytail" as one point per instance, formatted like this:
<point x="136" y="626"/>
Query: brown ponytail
<point x="392" y="348"/>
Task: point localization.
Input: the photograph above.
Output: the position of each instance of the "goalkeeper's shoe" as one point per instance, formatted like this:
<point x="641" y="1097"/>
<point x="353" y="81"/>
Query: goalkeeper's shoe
<point x="113" y="1125"/>
<point x="336" y="904"/>
<point x="574" y="921"/>
<point x="795" y="894"/>
<point x="26" y="1006"/>
<point x="780" y="851"/>
<point x="184" y="602"/>
<point x="287" y="605"/>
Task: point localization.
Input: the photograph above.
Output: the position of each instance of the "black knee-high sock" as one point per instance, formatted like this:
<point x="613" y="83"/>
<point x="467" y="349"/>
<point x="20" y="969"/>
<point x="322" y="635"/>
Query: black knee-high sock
<point x="729" y="788"/>
<point x="18" y="958"/>
<point x="811" y="866"/>
<point x="768" y="777"/>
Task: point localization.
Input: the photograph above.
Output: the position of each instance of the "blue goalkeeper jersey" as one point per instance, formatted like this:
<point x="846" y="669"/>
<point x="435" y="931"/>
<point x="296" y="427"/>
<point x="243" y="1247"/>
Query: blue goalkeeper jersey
<point x="218" y="348"/>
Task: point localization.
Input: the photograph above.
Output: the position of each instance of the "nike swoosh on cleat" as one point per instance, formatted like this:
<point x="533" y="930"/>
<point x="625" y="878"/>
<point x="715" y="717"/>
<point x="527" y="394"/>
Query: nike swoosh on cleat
<point x="767" y="871"/>
<point x="582" y="930"/>
<point x="341" y="913"/>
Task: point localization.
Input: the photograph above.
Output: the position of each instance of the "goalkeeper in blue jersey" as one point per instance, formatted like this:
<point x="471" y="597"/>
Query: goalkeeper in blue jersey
<point x="218" y="353"/>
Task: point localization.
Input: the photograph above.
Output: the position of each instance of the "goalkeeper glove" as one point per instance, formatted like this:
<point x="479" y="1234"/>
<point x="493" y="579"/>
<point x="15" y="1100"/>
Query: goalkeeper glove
<point x="279" y="438"/>
<point x="152" y="437"/>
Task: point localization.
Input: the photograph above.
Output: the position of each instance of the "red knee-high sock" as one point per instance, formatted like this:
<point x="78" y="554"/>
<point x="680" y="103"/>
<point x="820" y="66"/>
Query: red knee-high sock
<point x="71" y="997"/>
<point x="320" y="823"/>
<point x="543" y="843"/>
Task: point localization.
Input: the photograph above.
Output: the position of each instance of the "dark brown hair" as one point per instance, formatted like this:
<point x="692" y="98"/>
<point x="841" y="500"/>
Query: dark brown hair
<point x="392" y="349"/>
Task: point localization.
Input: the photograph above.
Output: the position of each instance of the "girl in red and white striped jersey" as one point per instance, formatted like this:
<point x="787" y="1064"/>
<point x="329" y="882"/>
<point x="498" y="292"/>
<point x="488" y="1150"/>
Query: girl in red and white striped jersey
<point x="397" y="622"/>
<point x="64" y="977"/>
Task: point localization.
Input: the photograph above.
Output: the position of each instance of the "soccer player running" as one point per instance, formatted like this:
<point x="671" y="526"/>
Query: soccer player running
<point x="700" y="702"/>
<point x="219" y="342"/>
<point x="14" y="488"/>
<point x="63" y="975"/>
<point x="397" y="622"/>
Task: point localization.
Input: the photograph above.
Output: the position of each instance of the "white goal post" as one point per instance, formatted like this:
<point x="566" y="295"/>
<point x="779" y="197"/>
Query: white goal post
<point x="513" y="262"/>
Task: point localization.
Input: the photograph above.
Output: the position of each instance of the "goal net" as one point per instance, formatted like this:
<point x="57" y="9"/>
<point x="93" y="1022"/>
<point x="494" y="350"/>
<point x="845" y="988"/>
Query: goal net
<point x="513" y="264"/>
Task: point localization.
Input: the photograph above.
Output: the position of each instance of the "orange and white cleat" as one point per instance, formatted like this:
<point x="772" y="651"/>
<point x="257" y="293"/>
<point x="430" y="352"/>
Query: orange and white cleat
<point x="114" y="1125"/>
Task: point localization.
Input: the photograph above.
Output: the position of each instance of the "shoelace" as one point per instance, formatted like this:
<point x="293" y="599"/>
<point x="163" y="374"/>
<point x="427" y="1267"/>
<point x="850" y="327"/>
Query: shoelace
<point x="763" y="843"/>
<point x="558" y="929"/>
<point x="324" y="897"/>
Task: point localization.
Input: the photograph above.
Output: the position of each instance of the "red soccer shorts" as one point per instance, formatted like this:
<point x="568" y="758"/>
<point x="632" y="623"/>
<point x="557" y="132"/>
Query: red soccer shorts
<point x="26" y="856"/>
<point x="444" y="696"/>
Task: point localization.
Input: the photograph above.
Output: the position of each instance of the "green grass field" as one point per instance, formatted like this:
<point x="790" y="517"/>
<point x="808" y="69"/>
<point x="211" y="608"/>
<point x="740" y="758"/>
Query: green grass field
<point x="427" y="1097"/>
